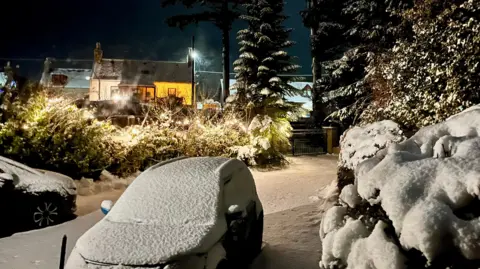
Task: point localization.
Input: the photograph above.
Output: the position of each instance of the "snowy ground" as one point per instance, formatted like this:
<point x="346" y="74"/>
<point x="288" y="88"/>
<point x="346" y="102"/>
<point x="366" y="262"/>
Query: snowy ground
<point x="291" y="221"/>
<point x="297" y="185"/>
<point x="292" y="239"/>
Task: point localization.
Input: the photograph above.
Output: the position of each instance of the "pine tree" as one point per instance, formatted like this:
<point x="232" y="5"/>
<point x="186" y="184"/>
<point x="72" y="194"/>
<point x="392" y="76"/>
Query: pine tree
<point x="262" y="59"/>
<point x="349" y="35"/>
<point x="434" y="75"/>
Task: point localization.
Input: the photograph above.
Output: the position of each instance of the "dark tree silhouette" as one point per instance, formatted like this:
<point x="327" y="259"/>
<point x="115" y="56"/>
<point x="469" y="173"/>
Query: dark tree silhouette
<point x="222" y="13"/>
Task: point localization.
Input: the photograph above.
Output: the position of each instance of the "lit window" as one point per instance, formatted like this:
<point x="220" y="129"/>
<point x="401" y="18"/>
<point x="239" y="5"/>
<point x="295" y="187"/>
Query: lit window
<point x="172" y="92"/>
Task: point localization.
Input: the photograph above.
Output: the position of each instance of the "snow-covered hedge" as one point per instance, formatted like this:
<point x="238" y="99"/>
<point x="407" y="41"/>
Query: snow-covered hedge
<point x="362" y="142"/>
<point x="433" y="73"/>
<point x="53" y="134"/>
<point x="414" y="204"/>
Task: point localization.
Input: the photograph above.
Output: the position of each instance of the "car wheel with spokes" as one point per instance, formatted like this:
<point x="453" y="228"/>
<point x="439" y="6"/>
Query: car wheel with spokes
<point x="45" y="214"/>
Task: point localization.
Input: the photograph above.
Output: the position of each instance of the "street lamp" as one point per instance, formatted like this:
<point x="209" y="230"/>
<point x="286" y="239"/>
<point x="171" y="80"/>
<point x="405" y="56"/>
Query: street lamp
<point x="195" y="55"/>
<point x="192" y="55"/>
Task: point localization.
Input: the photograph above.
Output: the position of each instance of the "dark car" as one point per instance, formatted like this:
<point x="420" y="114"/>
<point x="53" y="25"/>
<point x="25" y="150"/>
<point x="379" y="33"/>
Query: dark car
<point x="32" y="199"/>
<point x="187" y="213"/>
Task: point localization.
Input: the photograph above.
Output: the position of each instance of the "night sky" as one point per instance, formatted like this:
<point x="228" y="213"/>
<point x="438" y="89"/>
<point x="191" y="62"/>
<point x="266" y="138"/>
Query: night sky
<point x="130" y="29"/>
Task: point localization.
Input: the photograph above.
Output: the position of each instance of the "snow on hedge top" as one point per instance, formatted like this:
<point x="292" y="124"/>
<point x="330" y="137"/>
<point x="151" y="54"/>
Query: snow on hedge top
<point x="33" y="181"/>
<point x="360" y="143"/>
<point x="423" y="181"/>
<point x="171" y="209"/>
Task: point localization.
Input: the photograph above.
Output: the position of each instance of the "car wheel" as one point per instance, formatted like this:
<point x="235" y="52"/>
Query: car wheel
<point x="256" y="237"/>
<point x="46" y="213"/>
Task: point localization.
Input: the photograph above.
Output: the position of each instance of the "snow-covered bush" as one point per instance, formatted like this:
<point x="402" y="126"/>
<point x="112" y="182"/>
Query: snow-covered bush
<point x="426" y="78"/>
<point x="413" y="205"/>
<point x="138" y="147"/>
<point x="55" y="135"/>
<point x="362" y="142"/>
<point x="269" y="140"/>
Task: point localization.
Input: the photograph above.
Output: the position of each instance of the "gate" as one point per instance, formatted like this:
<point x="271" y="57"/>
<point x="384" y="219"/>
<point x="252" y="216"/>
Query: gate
<point x="308" y="142"/>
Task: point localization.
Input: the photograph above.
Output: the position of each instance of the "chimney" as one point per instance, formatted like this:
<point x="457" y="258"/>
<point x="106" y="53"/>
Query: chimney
<point x="47" y="64"/>
<point x="98" y="53"/>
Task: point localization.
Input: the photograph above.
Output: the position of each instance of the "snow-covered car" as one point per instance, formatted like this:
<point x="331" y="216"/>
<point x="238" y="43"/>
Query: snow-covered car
<point x="186" y="213"/>
<point x="31" y="198"/>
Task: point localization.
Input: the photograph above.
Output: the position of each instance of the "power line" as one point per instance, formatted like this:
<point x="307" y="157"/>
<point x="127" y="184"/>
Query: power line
<point x="283" y="75"/>
<point x="43" y="59"/>
<point x="91" y="60"/>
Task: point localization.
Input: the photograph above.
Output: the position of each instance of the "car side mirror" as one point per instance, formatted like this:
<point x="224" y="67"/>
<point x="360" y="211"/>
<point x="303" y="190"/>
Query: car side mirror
<point x="106" y="206"/>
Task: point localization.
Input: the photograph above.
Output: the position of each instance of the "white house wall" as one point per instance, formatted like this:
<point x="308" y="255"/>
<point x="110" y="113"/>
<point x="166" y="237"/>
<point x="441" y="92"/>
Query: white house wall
<point x="103" y="86"/>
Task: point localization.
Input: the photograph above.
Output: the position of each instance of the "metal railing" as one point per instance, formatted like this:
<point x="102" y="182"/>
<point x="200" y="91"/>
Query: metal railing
<point x="308" y="142"/>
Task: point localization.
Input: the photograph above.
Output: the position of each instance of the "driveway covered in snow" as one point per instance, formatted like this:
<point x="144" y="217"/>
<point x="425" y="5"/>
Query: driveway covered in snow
<point x="291" y="222"/>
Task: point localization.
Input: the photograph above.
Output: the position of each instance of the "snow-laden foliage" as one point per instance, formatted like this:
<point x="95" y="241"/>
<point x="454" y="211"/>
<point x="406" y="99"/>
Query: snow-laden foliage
<point x="413" y="205"/>
<point x="425" y="79"/>
<point x="50" y="134"/>
<point x="346" y="37"/>
<point x="269" y="138"/>
<point x="53" y="134"/>
<point x="262" y="59"/>
<point x="363" y="142"/>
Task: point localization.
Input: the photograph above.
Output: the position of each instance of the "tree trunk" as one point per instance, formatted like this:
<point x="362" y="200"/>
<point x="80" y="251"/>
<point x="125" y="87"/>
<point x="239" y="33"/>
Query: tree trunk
<point x="226" y="62"/>
<point x="317" y="113"/>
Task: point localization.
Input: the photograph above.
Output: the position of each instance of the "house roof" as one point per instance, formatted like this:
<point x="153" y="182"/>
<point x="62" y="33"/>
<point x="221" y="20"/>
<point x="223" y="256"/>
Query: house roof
<point x="77" y="78"/>
<point x="70" y="64"/>
<point x="78" y="72"/>
<point x="138" y="72"/>
<point x="304" y="100"/>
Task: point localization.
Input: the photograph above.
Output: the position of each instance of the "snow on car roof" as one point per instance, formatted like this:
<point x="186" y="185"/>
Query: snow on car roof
<point x="171" y="209"/>
<point x="30" y="180"/>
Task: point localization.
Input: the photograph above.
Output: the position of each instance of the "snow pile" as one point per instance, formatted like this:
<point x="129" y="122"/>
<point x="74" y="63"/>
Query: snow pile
<point x="360" y="143"/>
<point x="425" y="185"/>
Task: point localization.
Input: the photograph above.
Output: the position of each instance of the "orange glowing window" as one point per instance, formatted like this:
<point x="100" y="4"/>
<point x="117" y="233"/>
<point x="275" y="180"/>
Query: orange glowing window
<point x="172" y="92"/>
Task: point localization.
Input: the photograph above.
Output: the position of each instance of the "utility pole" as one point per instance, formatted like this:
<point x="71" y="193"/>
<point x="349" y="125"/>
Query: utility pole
<point x="192" y="56"/>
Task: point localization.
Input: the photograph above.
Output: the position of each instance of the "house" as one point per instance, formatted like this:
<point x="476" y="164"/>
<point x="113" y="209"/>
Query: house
<point x="305" y="98"/>
<point x="149" y="81"/>
<point x="70" y="77"/>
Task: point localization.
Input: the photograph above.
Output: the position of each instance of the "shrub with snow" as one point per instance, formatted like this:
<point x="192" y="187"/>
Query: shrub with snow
<point x="53" y="134"/>
<point x="434" y="72"/>
<point x="269" y="139"/>
<point x="414" y="204"/>
<point x="362" y="142"/>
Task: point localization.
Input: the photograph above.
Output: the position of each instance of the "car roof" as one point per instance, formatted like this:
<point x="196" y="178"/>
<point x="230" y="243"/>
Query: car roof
<point x="31" y="180"/>
<point x="176" y="206"/>
<point x="183" y="182"/>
